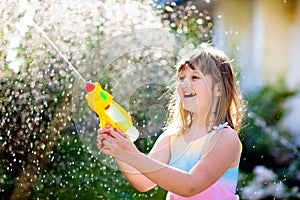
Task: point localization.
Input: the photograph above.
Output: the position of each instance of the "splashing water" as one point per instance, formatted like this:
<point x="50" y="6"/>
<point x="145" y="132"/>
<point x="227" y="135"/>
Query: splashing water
<point x="58" y="51"/>
<point x="129" y="65"/>
<point x="64" y="158"/>
<point x="28" y="20"/>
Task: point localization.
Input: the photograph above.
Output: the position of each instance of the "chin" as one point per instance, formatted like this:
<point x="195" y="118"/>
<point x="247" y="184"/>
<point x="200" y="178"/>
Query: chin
<point x="191" y="108"/>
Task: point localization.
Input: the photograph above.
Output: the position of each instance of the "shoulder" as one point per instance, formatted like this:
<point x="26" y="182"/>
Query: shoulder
<point x="228" y="136"/>
<point x="228" y="141"/>
<point x="168" y="136"/>
<point x="163" y="140"/>
<point x="161" y="149"/>
<point x="229" y="133"/>
<point x="224" y="148"/>
<point x="221" y="141"/>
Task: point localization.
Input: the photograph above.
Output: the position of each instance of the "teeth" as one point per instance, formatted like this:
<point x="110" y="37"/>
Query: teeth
<point x="188" y="94"/>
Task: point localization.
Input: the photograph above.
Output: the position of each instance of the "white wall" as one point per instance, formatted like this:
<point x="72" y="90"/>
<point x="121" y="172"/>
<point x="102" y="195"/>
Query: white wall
<point x="292" y="120"/>
<point x="264" y="35"/>
<point x="239" y="33"/>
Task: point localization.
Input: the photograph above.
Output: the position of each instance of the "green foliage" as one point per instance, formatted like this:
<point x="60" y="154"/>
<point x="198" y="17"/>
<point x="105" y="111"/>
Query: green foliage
<point x="264" y="142"/>
<point x="195" y="24"/>
<point x="29" y="98"/>
<point x="27" y="107"/>
<point x="72" y="172"/>
<point x="268" y="102"/>
<point x="261" y="135"/>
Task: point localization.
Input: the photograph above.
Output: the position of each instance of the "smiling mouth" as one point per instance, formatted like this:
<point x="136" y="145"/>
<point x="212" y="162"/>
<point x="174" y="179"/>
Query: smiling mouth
<point x="189" y="95"/>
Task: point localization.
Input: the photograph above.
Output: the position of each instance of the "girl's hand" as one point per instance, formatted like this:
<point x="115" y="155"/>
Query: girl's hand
<point x="101" y="132"/>
<point x="113" y="142"/>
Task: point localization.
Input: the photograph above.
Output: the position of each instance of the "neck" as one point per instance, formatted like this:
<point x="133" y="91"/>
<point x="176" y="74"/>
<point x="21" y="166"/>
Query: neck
<point x="197" y="130"/>
<point x="199" y="123"/>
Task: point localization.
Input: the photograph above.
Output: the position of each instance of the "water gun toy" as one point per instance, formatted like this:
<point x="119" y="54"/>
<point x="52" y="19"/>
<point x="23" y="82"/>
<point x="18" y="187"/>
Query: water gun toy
<point x="109" y="112"/>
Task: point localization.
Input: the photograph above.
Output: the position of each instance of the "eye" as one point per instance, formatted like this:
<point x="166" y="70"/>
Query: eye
<point x="196" y="77"/>
<point x="181" y="78"/>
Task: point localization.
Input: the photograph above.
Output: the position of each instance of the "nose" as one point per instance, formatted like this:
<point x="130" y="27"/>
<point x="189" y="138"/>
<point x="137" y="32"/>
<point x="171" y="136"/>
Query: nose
<point x="186" y="82"/>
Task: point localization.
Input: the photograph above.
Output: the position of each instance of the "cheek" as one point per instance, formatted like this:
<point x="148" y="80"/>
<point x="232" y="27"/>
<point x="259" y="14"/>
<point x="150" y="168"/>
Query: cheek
<point x="204" y="94"/>
<point x="178" y="94"/>
<point x="179" y="91"/>
<point x="201" y="88"/>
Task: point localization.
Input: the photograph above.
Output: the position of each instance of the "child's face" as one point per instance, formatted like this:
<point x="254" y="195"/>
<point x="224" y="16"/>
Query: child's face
<point x="195" y="91"/>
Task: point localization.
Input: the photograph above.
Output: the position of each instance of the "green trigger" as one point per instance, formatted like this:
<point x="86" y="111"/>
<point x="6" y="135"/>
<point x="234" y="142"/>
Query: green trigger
<point x="103" y="95"/>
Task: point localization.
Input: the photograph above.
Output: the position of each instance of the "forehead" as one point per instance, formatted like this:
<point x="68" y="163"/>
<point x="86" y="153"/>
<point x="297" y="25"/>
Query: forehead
<point x="188" y="68"/>
<point x="187" y="71"/>
<point x="185" y="65"/>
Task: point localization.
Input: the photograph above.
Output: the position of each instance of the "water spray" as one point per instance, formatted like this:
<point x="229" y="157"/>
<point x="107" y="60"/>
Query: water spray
<point x="58" y="51"/>
<point x="109" y="112"/>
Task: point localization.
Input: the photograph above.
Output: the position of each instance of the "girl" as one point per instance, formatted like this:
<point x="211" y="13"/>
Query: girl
<point x="197" y="157"/>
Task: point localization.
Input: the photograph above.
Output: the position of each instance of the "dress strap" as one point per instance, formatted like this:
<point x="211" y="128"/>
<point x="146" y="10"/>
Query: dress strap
<point x="225" y="125"/>
<point x="221" y="126"/>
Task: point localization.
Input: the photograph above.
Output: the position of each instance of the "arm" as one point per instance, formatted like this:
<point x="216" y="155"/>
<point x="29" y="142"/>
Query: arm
<point x="206" y="172"/>
<point x="160" y="152"/>
<point x="135" y="178"/>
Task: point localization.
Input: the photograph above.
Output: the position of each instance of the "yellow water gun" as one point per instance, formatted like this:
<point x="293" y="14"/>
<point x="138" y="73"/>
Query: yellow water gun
<point x="109" y="112"/>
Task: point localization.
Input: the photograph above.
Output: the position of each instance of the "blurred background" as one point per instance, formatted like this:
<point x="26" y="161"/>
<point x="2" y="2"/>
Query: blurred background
<point x="48" y="133"/>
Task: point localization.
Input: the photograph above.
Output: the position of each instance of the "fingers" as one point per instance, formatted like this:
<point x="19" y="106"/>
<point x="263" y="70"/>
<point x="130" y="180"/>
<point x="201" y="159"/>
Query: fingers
<point x="119" y="134"/>
<point x="103" y="137"/>
<point x="104" y="144"/>
<point x="103" y="130"/>
<point x="105" y="149"/>
<point x="99" y="145"/>
<point x="108" y="138"/>
<point x="116" y="133"/>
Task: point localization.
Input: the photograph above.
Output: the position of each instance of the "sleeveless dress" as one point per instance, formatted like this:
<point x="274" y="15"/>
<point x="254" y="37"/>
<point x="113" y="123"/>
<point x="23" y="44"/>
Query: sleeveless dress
<point x="185" y="155"/>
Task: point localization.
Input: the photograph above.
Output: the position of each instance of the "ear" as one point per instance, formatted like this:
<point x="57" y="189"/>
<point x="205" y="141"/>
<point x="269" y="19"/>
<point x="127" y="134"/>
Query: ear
<point x="217" y="90"/>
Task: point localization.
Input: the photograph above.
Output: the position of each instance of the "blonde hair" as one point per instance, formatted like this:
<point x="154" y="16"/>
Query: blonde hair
<point x="229" y="105"/>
